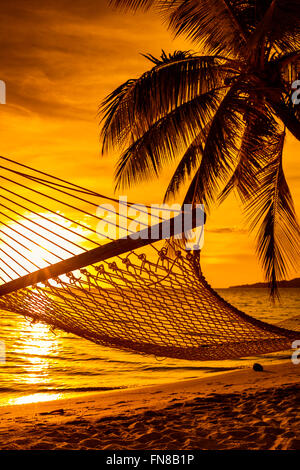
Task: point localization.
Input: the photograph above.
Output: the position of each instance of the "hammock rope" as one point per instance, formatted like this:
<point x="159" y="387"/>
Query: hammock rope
<point x="58" y="266"/>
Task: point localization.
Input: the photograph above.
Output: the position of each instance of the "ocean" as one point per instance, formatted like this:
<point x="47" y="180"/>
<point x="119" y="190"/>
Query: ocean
<point x="40" y="365"/>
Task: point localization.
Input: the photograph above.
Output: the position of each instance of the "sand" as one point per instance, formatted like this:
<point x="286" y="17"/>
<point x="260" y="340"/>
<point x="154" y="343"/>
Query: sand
<point x="243" y="409"/>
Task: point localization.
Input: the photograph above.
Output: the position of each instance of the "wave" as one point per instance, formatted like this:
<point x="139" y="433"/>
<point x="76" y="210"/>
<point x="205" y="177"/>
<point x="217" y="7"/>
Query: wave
<point x="8" y="389"/>
<point x="186" y="368"/>
<point x="78" y="389"/>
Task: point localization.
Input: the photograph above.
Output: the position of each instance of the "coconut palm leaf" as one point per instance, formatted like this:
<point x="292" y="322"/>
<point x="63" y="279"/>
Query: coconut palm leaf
<point x="254" y="154"/>
<point x="165" y="139"/>
<point x="271" y="209"/>
<point x="284" y="28"/>
<point x="231" y="22"/>
<point x="115" y="131"/>
<point x="133" y="4"/>
<point x="133" y="107"/>
<point x="197" y="20"/>
<point x="190" y="160"/>
<point x="213" y="150"/>
<point x="219" y="156"/>
<point x="285" y="110"/>
<point x="288" y="65"/>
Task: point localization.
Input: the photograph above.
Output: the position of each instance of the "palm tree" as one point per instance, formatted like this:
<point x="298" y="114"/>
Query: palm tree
<point x="224" y="114"/>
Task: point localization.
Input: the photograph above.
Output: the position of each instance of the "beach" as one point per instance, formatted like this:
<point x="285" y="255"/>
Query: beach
<point x="243" y="409"/>
<point x="149" y="236"/>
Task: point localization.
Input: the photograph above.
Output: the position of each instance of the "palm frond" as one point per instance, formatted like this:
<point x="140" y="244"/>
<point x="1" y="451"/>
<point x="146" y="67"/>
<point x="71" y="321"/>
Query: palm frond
<point x="166" y="58"/>
<point x="284" y="29"/>
<point x="287" y="66"/>
<point x="220" y="149"/>
<point x="285" y="110"/>
<point x="286" y="58"/>
<point x="257" y="43"/>
<point x="133" y="107"/>
<point x="197" y="20"/>
<point x="166" y="139"/>
<point x="132" y="4"/>
<point x="254" y="154"/>
<point x="115" y="130"/>
<point x="272" y="210"/>
<point x="278" y="30"/>
<point x="190" y="160"/>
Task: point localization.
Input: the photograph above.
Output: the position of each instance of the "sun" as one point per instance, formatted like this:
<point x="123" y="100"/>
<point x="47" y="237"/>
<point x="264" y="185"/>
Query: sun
<point x="37" y="241"/>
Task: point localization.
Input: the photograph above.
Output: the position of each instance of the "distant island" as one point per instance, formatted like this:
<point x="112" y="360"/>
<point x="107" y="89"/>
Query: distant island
<point x="291" y="283"/>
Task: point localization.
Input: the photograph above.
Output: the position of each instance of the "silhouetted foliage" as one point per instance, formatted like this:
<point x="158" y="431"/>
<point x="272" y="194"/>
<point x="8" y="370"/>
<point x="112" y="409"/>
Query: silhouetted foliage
<point x="224" y="114"/>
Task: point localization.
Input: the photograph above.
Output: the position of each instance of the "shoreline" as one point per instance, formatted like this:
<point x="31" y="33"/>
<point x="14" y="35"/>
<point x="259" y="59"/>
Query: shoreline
<point x="58" y="396"/>
<point x="97" y="395"/>
<point x="236" y="409"/>
<point x="109" y="396"/>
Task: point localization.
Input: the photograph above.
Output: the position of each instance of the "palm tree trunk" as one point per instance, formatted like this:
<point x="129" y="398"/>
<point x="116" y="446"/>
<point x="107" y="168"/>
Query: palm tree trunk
<point x="288" y="117"/>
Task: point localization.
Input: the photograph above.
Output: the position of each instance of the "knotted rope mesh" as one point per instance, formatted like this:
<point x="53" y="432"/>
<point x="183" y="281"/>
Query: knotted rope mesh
<point x="151" y="300"/>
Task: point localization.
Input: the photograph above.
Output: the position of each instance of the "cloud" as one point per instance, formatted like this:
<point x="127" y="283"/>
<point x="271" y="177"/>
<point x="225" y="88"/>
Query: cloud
<point x="220" y="230"/>
<point x="61" y="58"/>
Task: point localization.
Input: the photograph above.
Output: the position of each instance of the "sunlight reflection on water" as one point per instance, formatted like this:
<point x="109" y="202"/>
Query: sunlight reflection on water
<point x="34" y="398"/>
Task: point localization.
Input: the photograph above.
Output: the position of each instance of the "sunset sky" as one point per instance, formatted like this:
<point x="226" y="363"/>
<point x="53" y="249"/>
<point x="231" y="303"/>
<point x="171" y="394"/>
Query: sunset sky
<point x="59" y="59"/>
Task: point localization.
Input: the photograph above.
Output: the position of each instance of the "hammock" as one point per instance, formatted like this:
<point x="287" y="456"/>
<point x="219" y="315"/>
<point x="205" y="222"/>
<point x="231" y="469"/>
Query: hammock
<point x="60" y="264"/>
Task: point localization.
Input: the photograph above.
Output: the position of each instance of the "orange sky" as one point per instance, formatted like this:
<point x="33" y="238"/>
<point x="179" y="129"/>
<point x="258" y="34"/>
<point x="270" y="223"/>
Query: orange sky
<point x="59" y="59"/>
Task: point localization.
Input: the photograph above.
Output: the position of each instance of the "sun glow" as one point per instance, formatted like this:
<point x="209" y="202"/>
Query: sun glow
<point x="38" y="241"/>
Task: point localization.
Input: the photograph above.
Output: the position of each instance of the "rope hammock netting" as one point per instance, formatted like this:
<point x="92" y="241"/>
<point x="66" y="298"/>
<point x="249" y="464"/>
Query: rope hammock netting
<point x="59" y="264"/>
